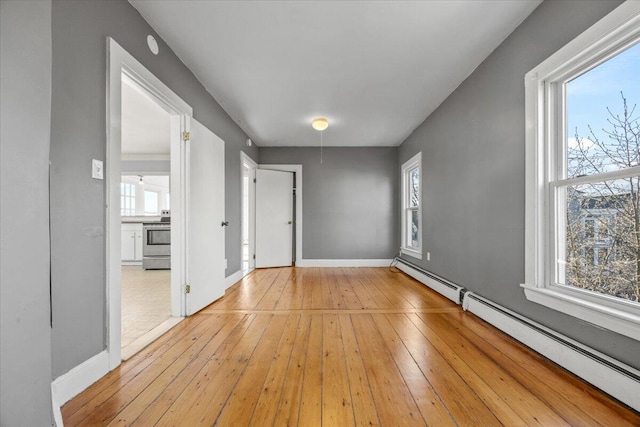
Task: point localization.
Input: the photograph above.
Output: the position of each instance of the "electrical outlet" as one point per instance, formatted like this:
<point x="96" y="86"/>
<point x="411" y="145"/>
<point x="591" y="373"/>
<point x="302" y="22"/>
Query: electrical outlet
<point x="428" y="256"/>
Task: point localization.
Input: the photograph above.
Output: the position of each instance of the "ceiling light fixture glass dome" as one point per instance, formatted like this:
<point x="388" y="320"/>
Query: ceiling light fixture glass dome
<point x="320" y="124"/>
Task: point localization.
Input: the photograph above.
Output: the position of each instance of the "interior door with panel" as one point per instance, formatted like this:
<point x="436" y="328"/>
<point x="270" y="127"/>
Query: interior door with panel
<point x="205" y="237"/>
<point x="274" y="218"/>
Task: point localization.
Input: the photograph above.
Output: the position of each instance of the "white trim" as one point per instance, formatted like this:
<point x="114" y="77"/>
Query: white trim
<point x="149" y="337"/>
<point x="344" y="263"/>
<point x="69" y="385"/>
<point x="411" y="252"/>
<point x="231" y="280"/>
<point x="562" y="350"/>
<point x="412" y="163"/>
<point x="450" y="291"/>
<point x="593" y="312"/>
<point x="298" y="170"/>
<point x="604" y="39"/>
<point x="120" y="61"/>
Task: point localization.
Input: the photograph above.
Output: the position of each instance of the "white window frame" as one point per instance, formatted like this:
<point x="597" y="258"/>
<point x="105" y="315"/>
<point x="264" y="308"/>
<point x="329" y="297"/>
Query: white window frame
<point x="543" y="133"/>
<point x="127" y="192"/>
<point x="409" y="165"/>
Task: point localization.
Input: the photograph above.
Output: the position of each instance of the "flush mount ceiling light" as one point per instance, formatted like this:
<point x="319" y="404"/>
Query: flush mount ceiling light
<point x="320" y="124"/>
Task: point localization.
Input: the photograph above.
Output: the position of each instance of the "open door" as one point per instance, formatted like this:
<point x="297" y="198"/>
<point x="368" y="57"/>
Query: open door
<point x="274" y="218"/>
<point x="205" y="252"/>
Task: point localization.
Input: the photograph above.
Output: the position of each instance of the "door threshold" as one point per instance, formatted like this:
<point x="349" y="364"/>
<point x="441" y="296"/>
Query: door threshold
<point x="146" y="339"/>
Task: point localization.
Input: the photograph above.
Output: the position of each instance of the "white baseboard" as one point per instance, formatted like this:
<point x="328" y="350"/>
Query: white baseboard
<point x="443" y="287"/>
<point x="612" y="376"/>
<point x="344" y="263"/>
<point x="69" y="385"/>
<point x="231" y="280"/>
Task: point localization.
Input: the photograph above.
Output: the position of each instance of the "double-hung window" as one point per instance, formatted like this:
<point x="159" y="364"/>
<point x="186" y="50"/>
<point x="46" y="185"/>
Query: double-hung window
<point x="412" y="207"/>
<point x="583" y="176"/>
<point x="127" y="199"/>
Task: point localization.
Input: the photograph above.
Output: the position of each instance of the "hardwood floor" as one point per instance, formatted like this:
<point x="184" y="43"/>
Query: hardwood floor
<point x="339" y="347"/>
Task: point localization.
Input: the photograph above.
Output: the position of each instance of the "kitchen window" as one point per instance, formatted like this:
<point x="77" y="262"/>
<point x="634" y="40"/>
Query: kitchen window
<point x="127" y="199"/>
<point x="583" y="176"/>
<point x="412" y="207"/>
<point x="151" y="206"/>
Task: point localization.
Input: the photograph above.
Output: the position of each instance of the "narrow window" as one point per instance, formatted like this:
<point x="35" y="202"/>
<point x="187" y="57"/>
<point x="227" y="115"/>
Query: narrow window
<point x="412" y="207"/>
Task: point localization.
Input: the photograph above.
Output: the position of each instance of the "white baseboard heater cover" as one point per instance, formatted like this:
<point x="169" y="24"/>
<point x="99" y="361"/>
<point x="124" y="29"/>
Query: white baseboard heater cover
<point x="608" y="374"/>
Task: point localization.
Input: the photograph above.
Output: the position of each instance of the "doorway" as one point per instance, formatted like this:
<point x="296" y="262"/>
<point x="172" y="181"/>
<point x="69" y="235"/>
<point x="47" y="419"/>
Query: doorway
<point x="296" y="171"/>
<point x="145" y="202"/>
<point x="248" y="219"/>
<point x="124" y="69"/>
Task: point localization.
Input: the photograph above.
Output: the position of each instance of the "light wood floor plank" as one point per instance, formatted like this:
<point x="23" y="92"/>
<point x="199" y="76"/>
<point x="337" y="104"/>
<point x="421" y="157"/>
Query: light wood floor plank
<point x="394" y="401"/>
<point x="311" y="399"/>
<point x="339" y="347"/>
<point x="289" y="405"/>
<point x="364" y="407"/>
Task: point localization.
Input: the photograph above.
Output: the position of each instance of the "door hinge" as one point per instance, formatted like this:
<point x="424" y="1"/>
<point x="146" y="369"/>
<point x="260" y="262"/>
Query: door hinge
<point x="187" y="289"/>
<point x="254" y="180"/>
<point x="186" y="136"/>
<point x="254" y="256"/>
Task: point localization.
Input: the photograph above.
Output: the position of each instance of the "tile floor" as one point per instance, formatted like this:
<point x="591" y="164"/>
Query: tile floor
<point x="146" y="301"/>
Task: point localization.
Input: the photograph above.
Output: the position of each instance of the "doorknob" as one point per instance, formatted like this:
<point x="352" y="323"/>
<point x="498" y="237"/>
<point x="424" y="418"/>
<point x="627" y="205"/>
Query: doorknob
<point x="224" y="223"/>
<point x="289" y="222"/>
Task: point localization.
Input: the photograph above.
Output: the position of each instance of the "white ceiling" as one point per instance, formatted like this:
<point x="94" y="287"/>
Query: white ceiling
<point x="374" y="69"/>
<point x="145" y="125"/>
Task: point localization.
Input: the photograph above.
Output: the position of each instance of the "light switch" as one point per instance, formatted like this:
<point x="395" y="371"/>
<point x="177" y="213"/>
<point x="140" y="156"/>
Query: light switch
<point x="97" y="170"/>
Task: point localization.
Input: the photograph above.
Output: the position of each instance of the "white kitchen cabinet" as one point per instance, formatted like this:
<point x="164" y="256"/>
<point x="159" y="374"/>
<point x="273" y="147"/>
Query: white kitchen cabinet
<point x="131" y="243"/>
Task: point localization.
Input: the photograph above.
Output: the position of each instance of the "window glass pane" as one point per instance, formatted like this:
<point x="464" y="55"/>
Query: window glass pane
<point x="413" y="229"/>
<point x="127" y="199"/>
<point x="414" y="188"/>
<point x="150" y="203"/>
<point x="603" y="127"/>
<point x="602" y="250"/>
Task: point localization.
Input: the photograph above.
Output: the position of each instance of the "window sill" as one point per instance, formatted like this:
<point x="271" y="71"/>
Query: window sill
<point x="597" y="313"/>
<point x="411" y="252"/>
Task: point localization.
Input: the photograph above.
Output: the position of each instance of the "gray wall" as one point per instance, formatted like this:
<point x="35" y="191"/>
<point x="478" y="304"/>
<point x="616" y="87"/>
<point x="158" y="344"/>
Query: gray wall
<point x="79" y="30"/>
<point x="348" y="202"/>
<point x="25" y="111"/>
<point x="473" y="181"/>
<point x="153" y="166"/>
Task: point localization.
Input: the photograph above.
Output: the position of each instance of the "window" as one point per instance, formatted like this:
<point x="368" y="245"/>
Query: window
<point x="127" y="199"/>
<point x="583" y="176"/>
<point x="151" y="203"/>
<point x="412" y="207"/>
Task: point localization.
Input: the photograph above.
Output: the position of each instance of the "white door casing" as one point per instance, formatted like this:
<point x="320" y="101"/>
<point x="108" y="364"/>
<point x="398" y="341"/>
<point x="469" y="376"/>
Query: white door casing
<point x="205" y="212"/>
<point x="274" y="218"/>
<point x="119" y="61"/>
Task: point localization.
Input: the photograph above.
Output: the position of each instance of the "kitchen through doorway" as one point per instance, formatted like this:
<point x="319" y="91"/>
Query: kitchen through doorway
<point x="145" y="209"/>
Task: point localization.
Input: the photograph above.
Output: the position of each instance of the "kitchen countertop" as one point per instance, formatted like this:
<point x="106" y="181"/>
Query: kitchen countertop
<point x="139" y="219"/>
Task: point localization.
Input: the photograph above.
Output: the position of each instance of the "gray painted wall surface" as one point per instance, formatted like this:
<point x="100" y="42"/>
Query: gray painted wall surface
<point x="25" y="114"/>
<point x="348" y="202"/>
<point x="473" y="181"/>
<point x="79" y="30"/>
<point x="155" y="166"/>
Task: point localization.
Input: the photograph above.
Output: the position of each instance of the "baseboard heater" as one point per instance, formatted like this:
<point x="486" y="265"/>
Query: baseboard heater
<point x="608" y="374"/>
<point x="437" y="283"/>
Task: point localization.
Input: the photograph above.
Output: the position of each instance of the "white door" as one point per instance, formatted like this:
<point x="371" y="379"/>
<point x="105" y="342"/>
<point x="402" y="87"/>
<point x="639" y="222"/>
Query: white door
<point x="205" y="251"/>
<point x="274" y="218"/>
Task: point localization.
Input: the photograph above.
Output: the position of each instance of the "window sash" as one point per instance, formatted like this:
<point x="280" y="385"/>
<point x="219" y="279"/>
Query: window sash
<point x="545" y="176"/>
<point x="410" y="205"/>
